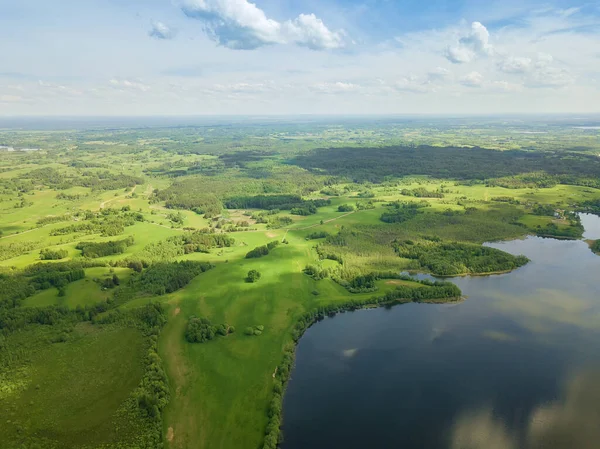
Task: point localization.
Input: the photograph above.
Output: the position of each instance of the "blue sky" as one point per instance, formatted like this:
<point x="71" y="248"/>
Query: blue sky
<point x="191" y="57"/>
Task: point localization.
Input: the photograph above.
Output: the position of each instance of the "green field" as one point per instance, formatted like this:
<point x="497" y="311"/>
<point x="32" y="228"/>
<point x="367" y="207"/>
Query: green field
<point x="73" y="393"/>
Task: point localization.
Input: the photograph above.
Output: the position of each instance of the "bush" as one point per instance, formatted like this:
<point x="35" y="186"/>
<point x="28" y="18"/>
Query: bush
<point x="345" y="208"/>
<point x="50" y="254"/>
<point x="317" y="235"/>
<point x="199" y="330"/>
<point x="261" y="251"/>
<point x="253" y="276"/>
<point x="257" y="252"/>
<point x="254" y="331"/>
<point x="101" y="249"/>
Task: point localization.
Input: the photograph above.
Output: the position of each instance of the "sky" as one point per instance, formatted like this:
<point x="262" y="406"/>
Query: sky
<point x="280" y="57"/>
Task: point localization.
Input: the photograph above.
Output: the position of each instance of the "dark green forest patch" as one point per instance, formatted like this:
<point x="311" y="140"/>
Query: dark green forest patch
<point x="454" y="259"/>
<point x="375" y="164"/>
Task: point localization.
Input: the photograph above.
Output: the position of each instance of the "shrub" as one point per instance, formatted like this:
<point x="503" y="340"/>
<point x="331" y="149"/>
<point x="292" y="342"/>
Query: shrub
<point x="253" y="276"/>
<point x="199" y="330"/>
<point x="50" y="254"/>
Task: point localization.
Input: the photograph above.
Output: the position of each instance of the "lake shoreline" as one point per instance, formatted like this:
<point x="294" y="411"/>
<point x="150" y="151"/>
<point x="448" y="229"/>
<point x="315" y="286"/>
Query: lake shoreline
<point x="289" y="354"/>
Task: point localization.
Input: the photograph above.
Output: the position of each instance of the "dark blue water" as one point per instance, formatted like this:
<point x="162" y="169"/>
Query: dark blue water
<point x="514" y="366"/>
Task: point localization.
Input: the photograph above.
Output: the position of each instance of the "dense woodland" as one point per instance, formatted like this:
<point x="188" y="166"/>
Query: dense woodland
<point x="378" y="164"/>
<point x="452" y="259"/>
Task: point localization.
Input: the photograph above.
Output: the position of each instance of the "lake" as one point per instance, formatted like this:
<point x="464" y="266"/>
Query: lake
<point x="516" y="365"/>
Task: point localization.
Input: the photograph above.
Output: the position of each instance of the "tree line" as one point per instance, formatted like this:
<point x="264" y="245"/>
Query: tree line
<point x="451" y="259"/>
<point x="261" y="251"/>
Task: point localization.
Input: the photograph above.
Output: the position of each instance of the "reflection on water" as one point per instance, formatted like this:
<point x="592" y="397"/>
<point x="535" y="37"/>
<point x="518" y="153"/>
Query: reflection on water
<point x="573" y="422"/>
<point x="508" y="368"/>
<point x="592" y="226"/>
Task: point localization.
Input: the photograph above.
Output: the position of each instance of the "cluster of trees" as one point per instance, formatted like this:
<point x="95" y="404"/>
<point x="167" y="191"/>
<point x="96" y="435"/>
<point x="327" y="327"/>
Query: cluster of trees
<point x="595" y="246"/>
<point x="309" y="207"/>
<point x="106" y="180"/>
<point x="254" y="330"/>
<point x="68" y="197"/>
<point x="43" y="275"/>
<point x="590" y="206"/>
<point x="317" y="235"/>
<point x="294" y="203"/>
<point x="202" y="242"/>
<point x="176" y="217"/>
<point x="277" y="222"/>
<point x="316" y="272"/>
<point x="304" y="211"/>
<point x="362" y="284"/>
<point x="110" y="282"/>
<point x="263" y="250"/>
<point x="53" y="219"/>
<point x="345" y="208"/>
<point x="400" y="212"/>
<point x="365" y="205"/>
<point x="201" y="330"/>
<point x="545" y="210"/>
<point x="573" y="231"/>
<point x="185" y="195"/>
<point x="266" y="202"/>
<point x="13" y="288"/>
<point x="14" y="249"/>
<point x="375" y="164"/>
<point x="93" y="250"/>
<point x="435" y="291"/>
<point x="53" y="254"/>
<point x="108" y="222"/>
<point x="506" y="199"/>
<point x="166" y="277"/>
<point x="451" y="259"/>
<point x="421" y="192"/>
<point x="253" y="276"/>
<point x="96" y="180"/>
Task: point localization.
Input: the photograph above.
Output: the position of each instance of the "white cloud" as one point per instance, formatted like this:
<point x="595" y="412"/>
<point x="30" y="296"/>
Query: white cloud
<point x="126" y="84"/>
<point x="470" y="46"/>
<point x="439" y="73"/>
<point x="515" y="65"/>
<point x="10" y="99"/>
<point x="335" y="88"/>
<point x="58" y="89"/>
<point x="161" y="31"/>
<point x="537" y="71"/>
<point x="241" y="25"/>
<point x="473" y="79"/>
<point x="505" y="86"/>
<point x="309" y="31"/>
<point x="243" y="88"/>
<point x="413" y="84"/>
<point x="550" y="77"/>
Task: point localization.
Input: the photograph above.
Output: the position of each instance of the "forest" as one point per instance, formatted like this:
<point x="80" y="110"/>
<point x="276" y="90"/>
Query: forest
<point x="479" y="164"/>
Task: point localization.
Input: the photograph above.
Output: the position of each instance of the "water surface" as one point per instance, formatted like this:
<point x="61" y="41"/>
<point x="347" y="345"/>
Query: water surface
<point x="514" y="366"/>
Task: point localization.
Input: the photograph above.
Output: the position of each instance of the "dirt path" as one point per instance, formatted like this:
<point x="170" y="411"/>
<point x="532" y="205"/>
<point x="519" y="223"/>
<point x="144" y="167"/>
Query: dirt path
<point x="326" y="221"/>
<point x="116" y="198"/>
<point x="181" y="423"/>
<point x="21" y="233"/>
